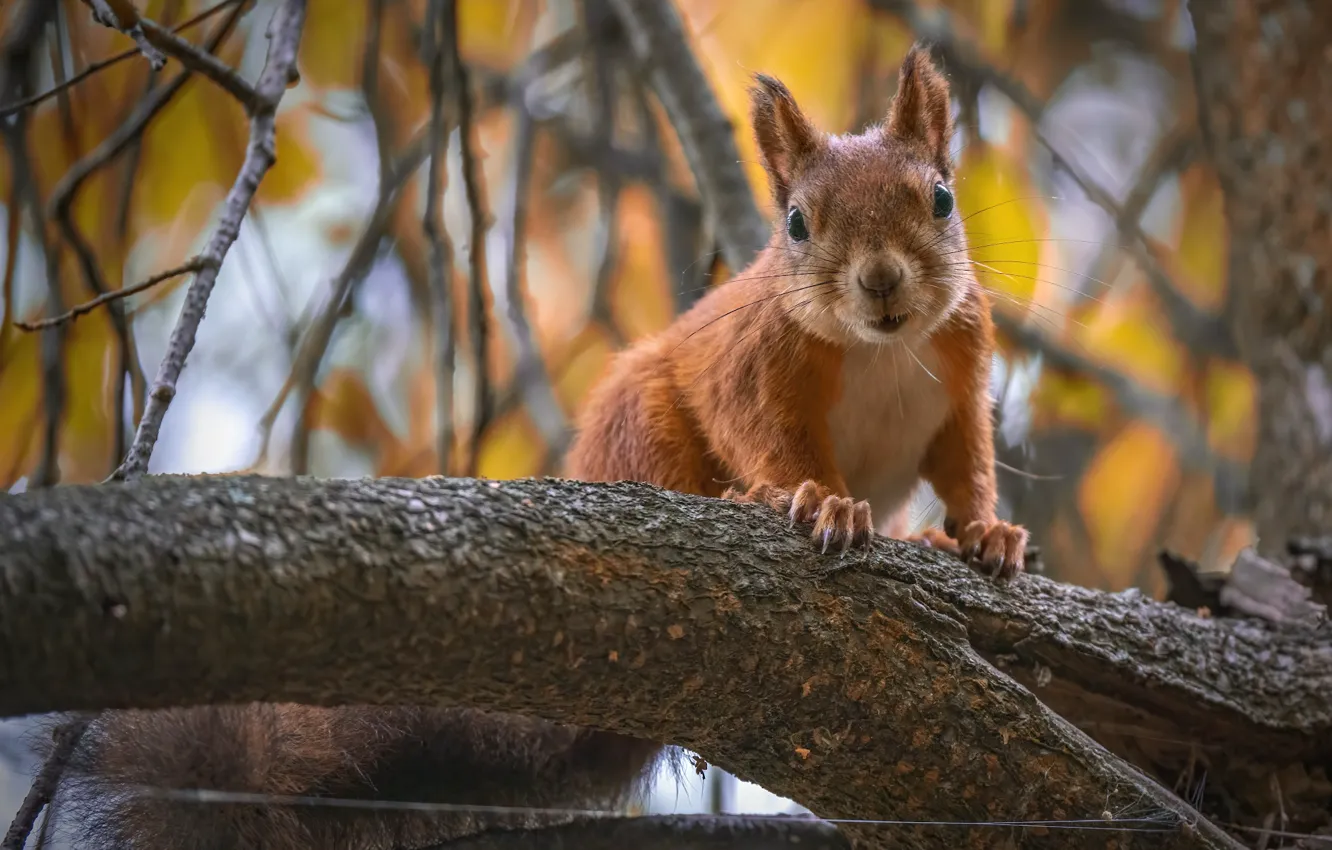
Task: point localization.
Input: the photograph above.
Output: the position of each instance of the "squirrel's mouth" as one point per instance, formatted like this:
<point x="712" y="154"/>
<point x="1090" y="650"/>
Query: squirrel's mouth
<point x="890" y="323"/>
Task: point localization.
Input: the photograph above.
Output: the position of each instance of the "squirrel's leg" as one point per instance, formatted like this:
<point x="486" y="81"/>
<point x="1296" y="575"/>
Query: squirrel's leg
<point x="632" y="430"/>
<point x="960" y="466"/>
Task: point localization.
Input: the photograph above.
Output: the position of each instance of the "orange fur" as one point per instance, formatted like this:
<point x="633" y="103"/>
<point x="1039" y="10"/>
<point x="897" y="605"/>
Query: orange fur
<point x="795" y="379"/>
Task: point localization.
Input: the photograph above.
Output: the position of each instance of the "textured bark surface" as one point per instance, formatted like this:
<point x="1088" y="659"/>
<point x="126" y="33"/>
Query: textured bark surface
<point x="668" y="832"/>
<point x="1264" y="78"/>
<point x="856" y="691"/>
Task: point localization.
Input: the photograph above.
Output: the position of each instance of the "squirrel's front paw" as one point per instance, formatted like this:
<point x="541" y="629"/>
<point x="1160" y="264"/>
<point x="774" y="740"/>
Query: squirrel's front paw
<point x="999" y="546"/>
<point x="838" y="521"/>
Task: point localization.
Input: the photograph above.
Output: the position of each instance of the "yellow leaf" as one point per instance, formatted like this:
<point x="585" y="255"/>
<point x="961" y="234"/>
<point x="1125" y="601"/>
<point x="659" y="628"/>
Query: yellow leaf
<point x="495" y="32"/>
<point x="1129" y="332"/>
<point x="1231" y="535"/>
<point x="1003" y="221"/>
<point x="91" y="372"/>
<point x="1121" y="495"/>
<point x="1231" y="407"/>
<point x="86" y="428"/>
<point x="333" y="43"/>
<point x="588" y="354"/>
<point x="344" y="405"/>
<point x="735" y="40"/>
<point x="1063" y="399"/>
<point x="510" y="448"/>
<point x="641" y="292"/>
<point x="20" y="374"/>
<point x="1203" y="239"/>
<point x="198" y="138"/>
<point x="297" y="168"/>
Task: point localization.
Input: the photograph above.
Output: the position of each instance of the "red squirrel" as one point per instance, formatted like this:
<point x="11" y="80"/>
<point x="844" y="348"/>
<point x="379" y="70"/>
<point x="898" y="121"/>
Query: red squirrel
<point x="846" y="363"/>
<point x="849" y="361"/>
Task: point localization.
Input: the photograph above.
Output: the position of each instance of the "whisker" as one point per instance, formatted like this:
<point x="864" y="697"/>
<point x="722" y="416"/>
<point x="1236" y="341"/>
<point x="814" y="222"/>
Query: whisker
<point x="758" y="328"/>
<point x="1082" y="275"/>
<point x="750" y="304"/>
<point x="1026" y="241"/>
<point x="920" y="364"/>
<point x="970" y="216"/>
<point x="773" y="276"/>
<point x="1014" y="277"/>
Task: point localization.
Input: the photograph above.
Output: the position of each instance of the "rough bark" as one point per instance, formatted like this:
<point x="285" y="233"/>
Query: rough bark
<point x="1264" y="80"/>
<point x="668" y="832"/>
<point x="854" y="690"/>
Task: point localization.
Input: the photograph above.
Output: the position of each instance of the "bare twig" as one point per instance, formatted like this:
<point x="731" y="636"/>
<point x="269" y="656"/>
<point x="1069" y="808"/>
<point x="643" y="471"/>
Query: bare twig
<point x="17" y="105"/>
<point x="308" y="360"/>
<point x="66" y="190"/>
<point x="67" y="737"/>
<point x="203" y="63"/>
<point x="47" y="473"/>
<point x="1172" y="154"/>
<point x="602" y="83"/>
<point x="131" y="26"/>
<point x="478" y="324"/>
<point x="661" y="45"/>
<point x="18" y="76"/>
<point x="284" y="33"/>
<point x="315" y="339"/>
<point x="440" y="17"/>
<point x="681" y="215"/>
<point x="194" y="265"/>
<point x="530" y="375"/>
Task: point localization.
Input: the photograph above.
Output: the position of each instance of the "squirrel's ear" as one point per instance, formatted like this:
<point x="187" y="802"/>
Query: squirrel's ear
<point x="786" y="138"/>
<point x="920" y="113"/>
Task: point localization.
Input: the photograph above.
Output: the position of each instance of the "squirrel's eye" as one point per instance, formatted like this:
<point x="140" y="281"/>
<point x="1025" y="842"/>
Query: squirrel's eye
<point x="795" y="225"/>
<point x="943" y="201"/>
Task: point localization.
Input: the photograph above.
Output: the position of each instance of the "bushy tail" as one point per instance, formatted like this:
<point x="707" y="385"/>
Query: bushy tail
<point x="456" y="756"/>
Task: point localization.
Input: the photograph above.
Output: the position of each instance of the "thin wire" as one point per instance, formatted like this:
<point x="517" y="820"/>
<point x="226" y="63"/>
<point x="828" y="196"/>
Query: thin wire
<point x="234" y="797"/>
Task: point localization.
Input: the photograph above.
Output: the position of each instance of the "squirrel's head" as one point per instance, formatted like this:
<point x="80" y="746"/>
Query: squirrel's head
<point x="869" y="230"/>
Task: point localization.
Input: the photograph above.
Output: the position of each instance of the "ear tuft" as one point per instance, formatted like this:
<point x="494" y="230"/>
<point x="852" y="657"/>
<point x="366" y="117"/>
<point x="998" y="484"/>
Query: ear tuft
<point x="921" y="114"/>
<point x="786" y="138"/>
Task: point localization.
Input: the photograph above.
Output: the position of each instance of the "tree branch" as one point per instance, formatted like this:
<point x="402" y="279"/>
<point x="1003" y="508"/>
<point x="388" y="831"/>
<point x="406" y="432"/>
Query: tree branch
<point x="849" y="685"/>
<point x="279" y="69"/>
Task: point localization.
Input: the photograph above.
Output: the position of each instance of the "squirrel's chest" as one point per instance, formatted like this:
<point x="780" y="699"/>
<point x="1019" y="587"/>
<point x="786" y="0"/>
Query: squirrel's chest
<point x="893" y="401"/>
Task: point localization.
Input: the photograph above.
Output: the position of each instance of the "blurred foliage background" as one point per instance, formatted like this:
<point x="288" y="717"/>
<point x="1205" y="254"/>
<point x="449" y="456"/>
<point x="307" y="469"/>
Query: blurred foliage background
<point x="1125" y="421"/>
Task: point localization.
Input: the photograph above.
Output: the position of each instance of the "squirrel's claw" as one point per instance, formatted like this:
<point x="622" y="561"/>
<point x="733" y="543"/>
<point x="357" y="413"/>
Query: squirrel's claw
<point x="838" y="521"/>
<point x="998" y="545"/>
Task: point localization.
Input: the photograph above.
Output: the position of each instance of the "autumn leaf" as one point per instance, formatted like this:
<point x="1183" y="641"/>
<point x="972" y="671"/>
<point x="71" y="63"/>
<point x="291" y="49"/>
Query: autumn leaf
<point x="1121" y="495"/>
<point x="1003" y="222"/>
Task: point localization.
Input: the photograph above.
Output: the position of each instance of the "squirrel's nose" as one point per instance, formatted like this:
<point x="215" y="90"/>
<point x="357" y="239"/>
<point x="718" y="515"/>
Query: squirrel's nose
<point x="881" y="278"/>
